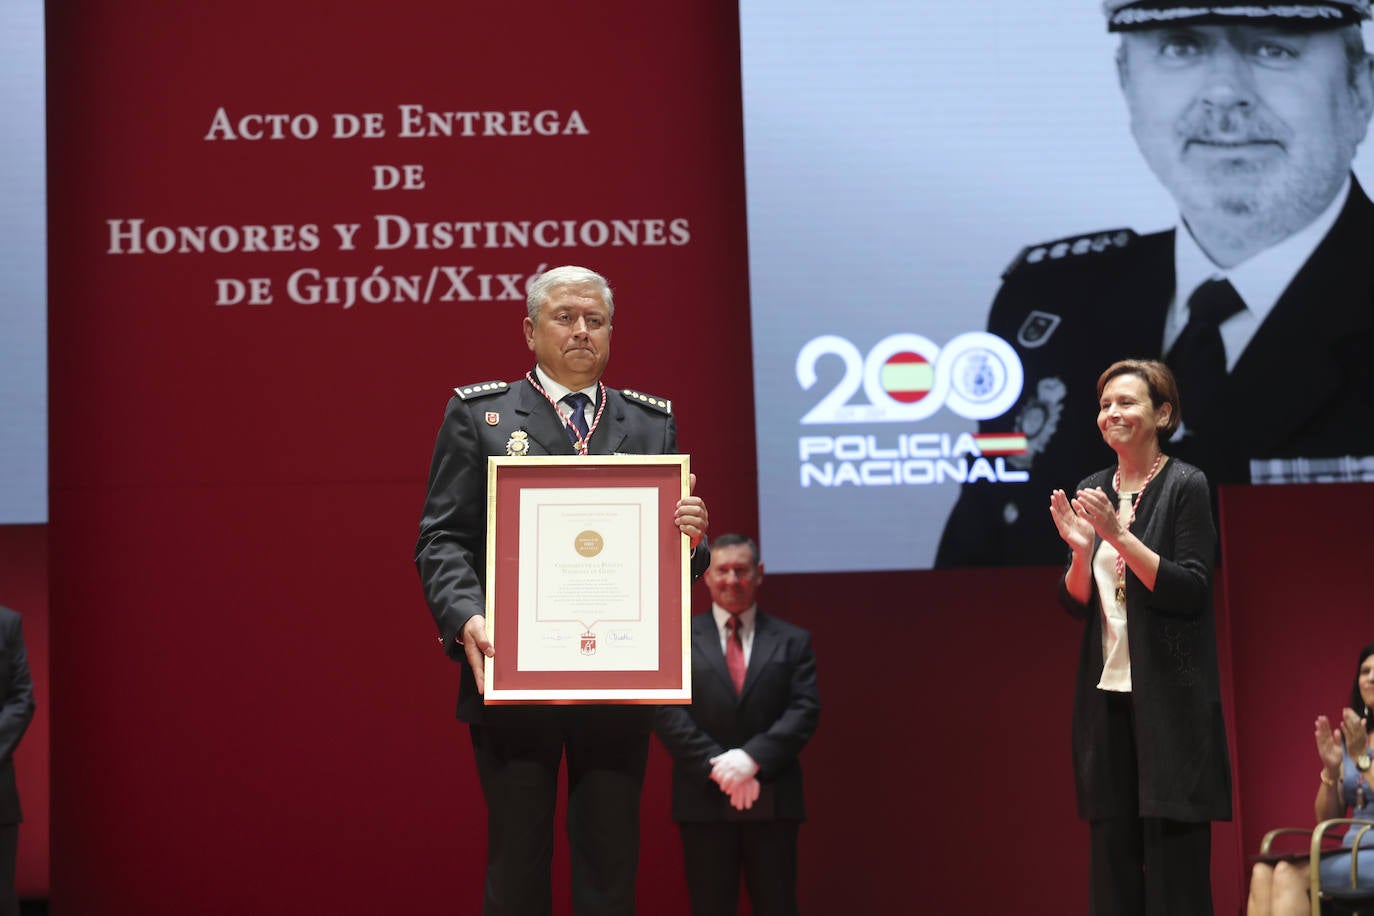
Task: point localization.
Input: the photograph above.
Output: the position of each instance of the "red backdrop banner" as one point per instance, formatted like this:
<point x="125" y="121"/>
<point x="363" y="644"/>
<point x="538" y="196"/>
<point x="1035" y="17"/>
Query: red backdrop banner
<point x="280" y="234"/>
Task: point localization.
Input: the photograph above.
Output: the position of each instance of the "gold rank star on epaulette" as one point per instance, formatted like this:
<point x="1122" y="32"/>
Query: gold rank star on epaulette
<point x="662" y="405"/>
<point x="481" y="389"/>
<point x="1072" y="247"/>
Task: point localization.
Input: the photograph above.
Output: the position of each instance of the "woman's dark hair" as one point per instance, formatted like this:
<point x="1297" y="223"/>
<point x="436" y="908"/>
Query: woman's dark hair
<point x="1357" y="701"/>
<point x="1159" y="381"/>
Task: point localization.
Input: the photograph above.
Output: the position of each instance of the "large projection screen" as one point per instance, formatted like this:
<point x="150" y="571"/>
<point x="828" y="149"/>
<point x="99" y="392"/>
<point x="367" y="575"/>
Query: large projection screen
<point x="900" y="157"/>
<point x="23" y="269"/>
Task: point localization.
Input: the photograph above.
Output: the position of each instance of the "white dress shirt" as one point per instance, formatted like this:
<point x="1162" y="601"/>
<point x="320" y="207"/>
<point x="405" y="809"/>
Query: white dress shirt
<point x="1260" y="280"/>
<point x="746" y="629"/>
<point x="557" y="392"/>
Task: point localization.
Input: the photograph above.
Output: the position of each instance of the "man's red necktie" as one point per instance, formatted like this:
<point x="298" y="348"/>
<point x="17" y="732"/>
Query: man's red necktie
<point x="734" y="653"/>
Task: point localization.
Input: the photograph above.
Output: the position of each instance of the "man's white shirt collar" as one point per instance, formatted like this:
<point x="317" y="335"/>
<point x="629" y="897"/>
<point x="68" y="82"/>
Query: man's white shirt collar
<point x="746" y="619"/>
<point x="557" y="392"/>
<point x="1260" y="280"/>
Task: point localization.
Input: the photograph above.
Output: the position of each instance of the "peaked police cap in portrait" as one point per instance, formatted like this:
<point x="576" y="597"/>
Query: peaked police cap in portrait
<point x="1131" y="15"/>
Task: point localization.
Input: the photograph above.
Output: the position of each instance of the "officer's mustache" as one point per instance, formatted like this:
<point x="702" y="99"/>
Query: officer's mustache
<point x="1232" y="125"/>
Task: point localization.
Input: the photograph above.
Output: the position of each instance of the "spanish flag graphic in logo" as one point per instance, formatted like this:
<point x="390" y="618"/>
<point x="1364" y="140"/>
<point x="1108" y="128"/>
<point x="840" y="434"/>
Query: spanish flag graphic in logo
<point x="1001" y="443"/>
<point x="907" y="377"/>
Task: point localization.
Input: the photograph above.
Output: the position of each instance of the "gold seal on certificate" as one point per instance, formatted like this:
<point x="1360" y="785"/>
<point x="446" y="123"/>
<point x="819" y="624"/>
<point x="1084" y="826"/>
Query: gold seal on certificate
<point x="589" y="543"/>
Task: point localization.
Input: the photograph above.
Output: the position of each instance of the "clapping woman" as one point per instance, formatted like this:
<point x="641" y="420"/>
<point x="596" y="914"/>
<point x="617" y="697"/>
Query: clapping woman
<point x="1150" y="762"/>
<point x="1346" y="783"/>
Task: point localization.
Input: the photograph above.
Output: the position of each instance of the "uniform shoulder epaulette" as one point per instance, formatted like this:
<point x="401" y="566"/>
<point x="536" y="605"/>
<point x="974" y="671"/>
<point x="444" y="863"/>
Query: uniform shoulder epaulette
<point x="662" y="405"/>
<point x="480" y="390"/>
<point x="1075" y="246"/>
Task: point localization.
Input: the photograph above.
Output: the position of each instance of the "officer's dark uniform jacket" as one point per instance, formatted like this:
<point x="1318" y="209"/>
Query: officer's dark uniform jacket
<point x="1303" y="388"/>
<point x="512" y="418"/>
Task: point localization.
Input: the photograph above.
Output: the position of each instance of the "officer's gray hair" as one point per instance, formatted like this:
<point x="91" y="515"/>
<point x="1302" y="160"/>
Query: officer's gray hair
<point x="543" y="286"/>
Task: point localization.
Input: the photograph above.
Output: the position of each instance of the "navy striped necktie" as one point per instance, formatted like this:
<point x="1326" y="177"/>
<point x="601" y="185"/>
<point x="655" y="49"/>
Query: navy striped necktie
<point x="577" y="420"/>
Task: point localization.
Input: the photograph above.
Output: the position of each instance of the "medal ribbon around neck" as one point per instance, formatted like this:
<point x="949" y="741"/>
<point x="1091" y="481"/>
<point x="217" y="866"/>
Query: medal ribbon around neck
<point x="581" y="444"/>
<point x="1121" y="560"/>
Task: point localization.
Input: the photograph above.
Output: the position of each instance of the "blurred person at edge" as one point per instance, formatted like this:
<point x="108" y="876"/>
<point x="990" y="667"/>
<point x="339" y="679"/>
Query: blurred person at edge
<point x="1346" y="782"/>
<point x="16" y="711"/>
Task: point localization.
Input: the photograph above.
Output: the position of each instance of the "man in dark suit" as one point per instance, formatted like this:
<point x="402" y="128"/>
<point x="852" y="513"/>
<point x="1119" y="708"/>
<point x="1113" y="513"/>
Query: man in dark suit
<point x="1261" y="299"/>
<point x="16" y="711"/>
<point x="560" y="407"/>
<point x="737" y="779"/>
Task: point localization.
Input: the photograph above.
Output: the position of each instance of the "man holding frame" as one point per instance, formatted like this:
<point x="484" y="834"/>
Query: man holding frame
<point x="560" y="407"/>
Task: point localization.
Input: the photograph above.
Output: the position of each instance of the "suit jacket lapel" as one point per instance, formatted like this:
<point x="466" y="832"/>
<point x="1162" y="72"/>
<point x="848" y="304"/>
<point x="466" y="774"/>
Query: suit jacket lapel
<point x="610" y="433"/>
<point x="1317" y="326"/>
<point x="706" y="644"/>
<point x="765" y="645"/>
<point x="542" y="422"/>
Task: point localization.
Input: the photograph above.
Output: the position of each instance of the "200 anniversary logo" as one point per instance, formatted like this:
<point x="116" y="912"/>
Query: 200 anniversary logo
<point x="908" y="378"/>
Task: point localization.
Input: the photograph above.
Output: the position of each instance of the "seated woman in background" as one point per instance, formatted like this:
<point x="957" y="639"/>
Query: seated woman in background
<point x="1347" y="781"/>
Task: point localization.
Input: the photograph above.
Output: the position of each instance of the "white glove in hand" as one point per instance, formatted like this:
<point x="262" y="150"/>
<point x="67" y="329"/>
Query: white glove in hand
<point x="743" y="796"/>
<point x="732" y="768"/>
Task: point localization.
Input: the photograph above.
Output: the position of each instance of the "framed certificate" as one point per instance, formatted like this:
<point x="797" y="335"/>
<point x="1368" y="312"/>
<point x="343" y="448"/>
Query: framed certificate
<point x="587" y="580"/>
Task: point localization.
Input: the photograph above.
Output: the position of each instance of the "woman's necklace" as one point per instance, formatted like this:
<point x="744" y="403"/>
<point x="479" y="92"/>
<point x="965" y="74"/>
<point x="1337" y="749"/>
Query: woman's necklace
<point x="1120" y="559"/>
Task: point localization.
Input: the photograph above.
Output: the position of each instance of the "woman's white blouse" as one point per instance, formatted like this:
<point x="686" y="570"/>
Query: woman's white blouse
<point x="1116" y="651"/>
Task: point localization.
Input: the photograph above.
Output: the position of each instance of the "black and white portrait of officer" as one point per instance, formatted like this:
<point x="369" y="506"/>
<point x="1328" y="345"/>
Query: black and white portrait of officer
<point x="1260" y="297"/>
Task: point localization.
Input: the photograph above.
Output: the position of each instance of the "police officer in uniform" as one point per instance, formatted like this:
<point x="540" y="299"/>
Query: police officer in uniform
<point x="1261" y="299"/>
<point x="560" y="407"/>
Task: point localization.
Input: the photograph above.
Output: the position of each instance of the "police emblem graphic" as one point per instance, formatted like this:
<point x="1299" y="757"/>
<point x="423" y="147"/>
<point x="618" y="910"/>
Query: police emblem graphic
<point x="1039" y="418"/>
<point x="979" y="375"/>
<point x="985" y="375"/>
<point x="1036" y="329"/>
